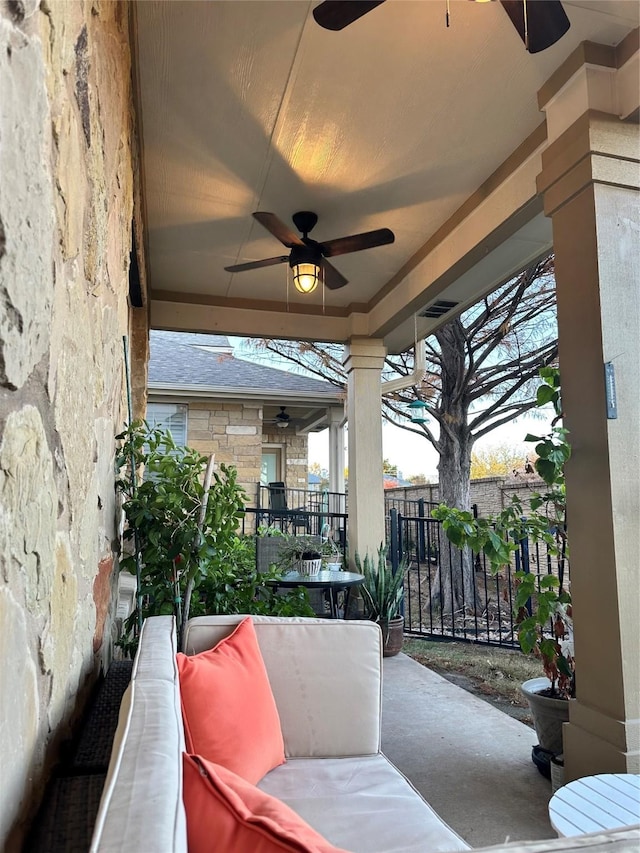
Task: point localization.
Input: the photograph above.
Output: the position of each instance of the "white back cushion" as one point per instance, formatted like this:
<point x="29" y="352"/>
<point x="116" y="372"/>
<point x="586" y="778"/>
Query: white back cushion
<point x="326" y="677"/>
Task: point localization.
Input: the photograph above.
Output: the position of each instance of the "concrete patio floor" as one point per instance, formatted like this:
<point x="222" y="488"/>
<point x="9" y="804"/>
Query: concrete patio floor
<point x="469" y="760"/>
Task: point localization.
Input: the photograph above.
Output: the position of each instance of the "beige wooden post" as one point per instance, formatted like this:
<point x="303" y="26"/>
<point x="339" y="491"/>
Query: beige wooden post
<point x="364" y="359"/>
<point x="590" y="182"/>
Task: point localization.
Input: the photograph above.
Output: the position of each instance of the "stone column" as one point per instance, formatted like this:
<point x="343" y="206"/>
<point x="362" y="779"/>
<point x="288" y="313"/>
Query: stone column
<point x="364" y="359"/>
<point x="590" y="182"/>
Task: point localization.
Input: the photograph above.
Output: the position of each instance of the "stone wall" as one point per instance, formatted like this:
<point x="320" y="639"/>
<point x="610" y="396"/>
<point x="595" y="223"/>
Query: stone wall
<point x="490" y="494"/>
<point x="235" y="433"/>
<point x="66" y="208"/>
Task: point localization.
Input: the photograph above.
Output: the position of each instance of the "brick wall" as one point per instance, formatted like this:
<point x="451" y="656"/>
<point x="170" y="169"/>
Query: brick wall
<point x="490" y="494"/>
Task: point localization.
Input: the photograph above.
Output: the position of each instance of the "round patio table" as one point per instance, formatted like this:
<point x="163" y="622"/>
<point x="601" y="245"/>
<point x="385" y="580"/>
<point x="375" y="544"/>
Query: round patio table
<point x="333" y="582"/>
<point x="593" y="803"/>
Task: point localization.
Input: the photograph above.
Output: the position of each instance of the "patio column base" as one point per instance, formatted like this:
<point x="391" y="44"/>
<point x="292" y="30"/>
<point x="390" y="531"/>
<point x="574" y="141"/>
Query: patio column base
<point x="592" y="739"/>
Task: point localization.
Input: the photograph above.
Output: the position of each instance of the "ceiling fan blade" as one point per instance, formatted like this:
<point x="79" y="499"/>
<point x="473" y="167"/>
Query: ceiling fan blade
<point x="332" y="278"/>
<point x="254" y="265"/>
<point x="279" y="230"/>
<point x="547" y="22"/>
<point x="357" y="242"/>
<point x="338" y="14"/>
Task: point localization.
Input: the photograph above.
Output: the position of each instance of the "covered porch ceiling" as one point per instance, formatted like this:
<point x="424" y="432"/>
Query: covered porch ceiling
<point x="395" y="122"/>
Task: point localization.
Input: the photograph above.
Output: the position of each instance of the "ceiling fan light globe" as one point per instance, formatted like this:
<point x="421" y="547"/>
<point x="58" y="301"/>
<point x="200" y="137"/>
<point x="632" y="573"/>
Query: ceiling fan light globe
<point x="306" y="277"/>
<point x="282" y="424"/>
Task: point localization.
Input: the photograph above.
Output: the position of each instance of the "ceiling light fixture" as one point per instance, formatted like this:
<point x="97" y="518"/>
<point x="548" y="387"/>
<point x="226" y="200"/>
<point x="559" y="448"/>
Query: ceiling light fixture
<point x="305" y="263"/>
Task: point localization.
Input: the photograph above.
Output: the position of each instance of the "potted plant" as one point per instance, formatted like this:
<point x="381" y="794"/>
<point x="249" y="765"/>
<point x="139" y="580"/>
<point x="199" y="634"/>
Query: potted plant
<point x="383" y="594"/>
<point x="331" y="556"/>
<point x="301" y="554"/>
<point x="543" y="612"/>
<point x="270" y="540"/>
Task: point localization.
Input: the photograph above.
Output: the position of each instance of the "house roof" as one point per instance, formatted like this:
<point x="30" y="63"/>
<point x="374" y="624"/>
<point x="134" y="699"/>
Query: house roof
<point x="195" y="361"/>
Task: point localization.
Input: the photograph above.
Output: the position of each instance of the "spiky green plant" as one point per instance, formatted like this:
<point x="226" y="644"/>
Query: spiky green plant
<point x="382" y="588"/>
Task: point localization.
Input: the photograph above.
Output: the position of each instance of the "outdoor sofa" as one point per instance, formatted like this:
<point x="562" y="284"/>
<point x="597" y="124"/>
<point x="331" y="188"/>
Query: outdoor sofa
<point x="326" y="679"/>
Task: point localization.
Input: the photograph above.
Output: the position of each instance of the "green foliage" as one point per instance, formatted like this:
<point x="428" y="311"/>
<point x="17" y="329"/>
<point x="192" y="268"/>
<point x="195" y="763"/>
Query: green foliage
<point x="542" y="609"/>
<point x="382" y="589"/>
<point x="240" y="588"/>
<point x="174" y="543"/>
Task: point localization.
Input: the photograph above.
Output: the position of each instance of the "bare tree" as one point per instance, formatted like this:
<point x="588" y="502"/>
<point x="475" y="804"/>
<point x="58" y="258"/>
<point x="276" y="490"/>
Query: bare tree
<point x="482" y="369"/>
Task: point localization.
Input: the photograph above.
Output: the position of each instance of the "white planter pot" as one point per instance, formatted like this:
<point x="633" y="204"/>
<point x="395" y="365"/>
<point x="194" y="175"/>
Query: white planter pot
<point x="310" y="567"/>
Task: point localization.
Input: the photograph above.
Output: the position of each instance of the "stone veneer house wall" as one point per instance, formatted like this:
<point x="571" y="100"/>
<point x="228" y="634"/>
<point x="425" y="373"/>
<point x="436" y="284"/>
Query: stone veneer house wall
<point x="67" y="189"/>
<point x="236" y="433"/>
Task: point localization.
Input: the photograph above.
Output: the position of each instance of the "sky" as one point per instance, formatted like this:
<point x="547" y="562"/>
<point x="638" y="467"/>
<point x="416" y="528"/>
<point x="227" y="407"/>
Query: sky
<point x="413" y="454"/>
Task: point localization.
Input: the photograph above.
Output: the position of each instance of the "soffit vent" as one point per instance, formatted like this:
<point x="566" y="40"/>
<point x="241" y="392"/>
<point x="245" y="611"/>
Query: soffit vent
<point x="439" y="308"/>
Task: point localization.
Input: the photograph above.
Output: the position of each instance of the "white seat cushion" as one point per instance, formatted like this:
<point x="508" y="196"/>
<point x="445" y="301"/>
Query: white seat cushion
<point x="361" y="804"/>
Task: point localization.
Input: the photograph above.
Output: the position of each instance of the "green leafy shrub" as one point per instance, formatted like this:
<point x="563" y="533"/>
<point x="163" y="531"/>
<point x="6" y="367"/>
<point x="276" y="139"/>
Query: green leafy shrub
<point x="184" y="537"/>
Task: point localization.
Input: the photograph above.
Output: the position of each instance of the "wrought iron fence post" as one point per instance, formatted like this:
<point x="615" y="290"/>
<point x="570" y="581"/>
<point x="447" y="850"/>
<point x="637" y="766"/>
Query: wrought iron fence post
<point x="562" y="558"/>
<point x="525" y="566"/>
<point x="421" y="543"/>
<point x="394" y="536"/>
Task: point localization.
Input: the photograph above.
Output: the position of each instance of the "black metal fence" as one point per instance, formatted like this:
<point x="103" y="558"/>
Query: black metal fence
<point x="449" y="593"/>
<point x="299" y="511"/>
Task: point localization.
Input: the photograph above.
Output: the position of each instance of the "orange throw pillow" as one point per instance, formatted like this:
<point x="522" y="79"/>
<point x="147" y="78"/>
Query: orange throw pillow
<point x="229" y="712"/>
<point x="224" y="812"/>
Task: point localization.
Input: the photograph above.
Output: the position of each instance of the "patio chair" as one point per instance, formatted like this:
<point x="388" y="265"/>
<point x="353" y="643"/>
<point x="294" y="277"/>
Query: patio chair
<point x="292" y="520"/>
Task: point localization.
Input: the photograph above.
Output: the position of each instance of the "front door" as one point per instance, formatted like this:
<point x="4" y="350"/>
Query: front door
<point x="271" y="467"/>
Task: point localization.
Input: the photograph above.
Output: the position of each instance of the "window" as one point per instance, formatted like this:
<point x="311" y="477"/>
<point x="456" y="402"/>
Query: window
<point x="169" y="416"/>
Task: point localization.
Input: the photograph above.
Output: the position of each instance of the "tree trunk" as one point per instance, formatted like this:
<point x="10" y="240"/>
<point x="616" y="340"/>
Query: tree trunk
<point x="454" y="587"/>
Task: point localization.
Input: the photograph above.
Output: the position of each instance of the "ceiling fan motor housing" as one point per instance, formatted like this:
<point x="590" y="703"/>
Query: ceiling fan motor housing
<point x="305" y="221"/>
<point x="310" y="254"/>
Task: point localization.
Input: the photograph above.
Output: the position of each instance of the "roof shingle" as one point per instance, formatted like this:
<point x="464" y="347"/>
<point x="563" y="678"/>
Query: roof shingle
<point x="180" y="358"/>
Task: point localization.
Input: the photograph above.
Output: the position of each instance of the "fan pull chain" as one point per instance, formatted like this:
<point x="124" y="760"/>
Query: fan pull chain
<point x="287" y="288"/>
<point x="322" y="278"/>
<point x="526" y="25"/>
<point x="447" y="16"/>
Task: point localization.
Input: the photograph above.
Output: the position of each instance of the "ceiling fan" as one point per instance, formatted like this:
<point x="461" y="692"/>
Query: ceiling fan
<point x="540" y="23"/>
<point x="282" y="419"/>
<point x="308" y="257"/>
